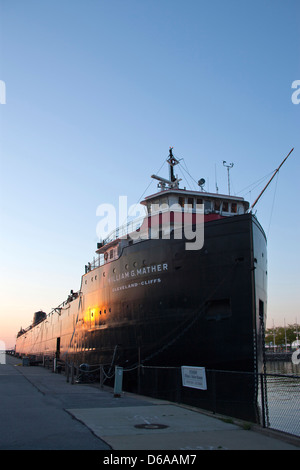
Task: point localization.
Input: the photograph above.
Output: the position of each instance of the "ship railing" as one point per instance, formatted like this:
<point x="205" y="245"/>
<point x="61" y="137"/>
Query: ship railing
<point x="133" y="226"/>
<point x="72" y="296"/>
<point x="136" y="229"/>
<point x="124" y="230"/>
<point x="97" y="262"/>
<point x="121" y="232"/>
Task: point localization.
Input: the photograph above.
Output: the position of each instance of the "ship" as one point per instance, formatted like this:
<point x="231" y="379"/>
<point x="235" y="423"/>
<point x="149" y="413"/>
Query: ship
<point x="150" y="298"/>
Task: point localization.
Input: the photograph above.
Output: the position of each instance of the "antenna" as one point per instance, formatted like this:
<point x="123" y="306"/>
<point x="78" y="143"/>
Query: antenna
<point x="229" y="166"/>
<point x="217" y="189"/>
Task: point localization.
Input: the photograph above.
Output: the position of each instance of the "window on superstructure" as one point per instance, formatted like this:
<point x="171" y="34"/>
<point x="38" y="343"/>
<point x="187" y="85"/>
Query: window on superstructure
<point x="199" y="200"/>
<point x="234" y="207"/>
<point x="181" y="201"/>
<point x="207" y="205"/>
<point x="111" y="254"/>
<point x="225" y="206"/>
<point x="191" y="201"/>
<point x="217" y="205"/>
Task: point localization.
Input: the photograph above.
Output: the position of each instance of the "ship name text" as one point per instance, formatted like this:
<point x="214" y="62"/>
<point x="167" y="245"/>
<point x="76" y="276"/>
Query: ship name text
<point x="155" y="268"/>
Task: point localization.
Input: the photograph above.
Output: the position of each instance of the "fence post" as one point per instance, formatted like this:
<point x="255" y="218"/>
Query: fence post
<point x="262" y="378"/>
<point x="139" y="370"/>
<point x="214" y="392"/>
<point x="179" y="382"/>
<point x="72" y="373"/>
<point x="118" y="381"/>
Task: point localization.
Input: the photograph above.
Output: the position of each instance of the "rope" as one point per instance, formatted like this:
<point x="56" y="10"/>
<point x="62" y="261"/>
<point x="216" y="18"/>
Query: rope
<point x="273" y="204"/>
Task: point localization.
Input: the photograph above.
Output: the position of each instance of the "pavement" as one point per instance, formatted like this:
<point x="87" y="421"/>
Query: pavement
<point x="40" y="410"/>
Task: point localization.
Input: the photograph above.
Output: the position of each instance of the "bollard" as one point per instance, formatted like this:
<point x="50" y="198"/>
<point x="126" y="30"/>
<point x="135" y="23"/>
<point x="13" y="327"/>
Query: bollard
<point x="118" y="381"/>
<point x="25" y="361"/>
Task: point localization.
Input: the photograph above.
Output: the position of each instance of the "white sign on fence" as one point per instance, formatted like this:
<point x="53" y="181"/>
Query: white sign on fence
<point x="194" y="377"/>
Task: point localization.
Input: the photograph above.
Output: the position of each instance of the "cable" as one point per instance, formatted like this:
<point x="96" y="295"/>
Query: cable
<point x="273" y="204"/>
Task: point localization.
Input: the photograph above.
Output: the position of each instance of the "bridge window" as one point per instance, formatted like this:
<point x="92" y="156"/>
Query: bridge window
<point x="207" y="205"/>
<point x="191" y="201"/>
<point x="234" y="207"/>
<point x="181" y="201"/>
<point x="217" y="205"/>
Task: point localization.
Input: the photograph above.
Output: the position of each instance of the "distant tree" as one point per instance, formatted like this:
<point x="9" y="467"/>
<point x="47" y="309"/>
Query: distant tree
<point x="280" y="333"/>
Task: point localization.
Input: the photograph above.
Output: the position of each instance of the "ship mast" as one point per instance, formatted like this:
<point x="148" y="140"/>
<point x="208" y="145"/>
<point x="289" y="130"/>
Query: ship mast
<point x="173" y="182"/>
<point x="172" y="162"/>
<point x="275" y="172"/>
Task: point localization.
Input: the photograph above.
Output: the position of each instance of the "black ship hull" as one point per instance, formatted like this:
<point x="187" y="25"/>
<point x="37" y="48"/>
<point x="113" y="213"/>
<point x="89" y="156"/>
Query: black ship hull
<point x="161" y="305"/>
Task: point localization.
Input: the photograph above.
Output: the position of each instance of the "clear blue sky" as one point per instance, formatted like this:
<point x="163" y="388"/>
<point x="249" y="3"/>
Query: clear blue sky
<point x="97" y="91"/>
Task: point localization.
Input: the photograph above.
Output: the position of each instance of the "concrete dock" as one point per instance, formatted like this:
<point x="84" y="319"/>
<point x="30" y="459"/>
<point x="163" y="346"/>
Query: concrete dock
<point x="40" y="410"/>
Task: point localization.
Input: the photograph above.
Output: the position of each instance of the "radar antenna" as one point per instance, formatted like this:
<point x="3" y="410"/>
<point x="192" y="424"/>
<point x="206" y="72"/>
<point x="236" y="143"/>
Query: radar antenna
<point x="173" y="182"/>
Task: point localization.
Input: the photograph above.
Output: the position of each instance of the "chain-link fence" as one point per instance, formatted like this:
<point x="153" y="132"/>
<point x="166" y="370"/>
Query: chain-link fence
<point x="281" y="402"/>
